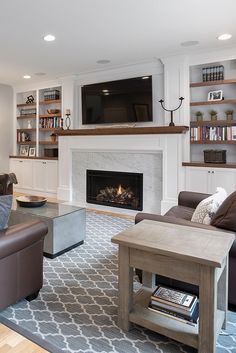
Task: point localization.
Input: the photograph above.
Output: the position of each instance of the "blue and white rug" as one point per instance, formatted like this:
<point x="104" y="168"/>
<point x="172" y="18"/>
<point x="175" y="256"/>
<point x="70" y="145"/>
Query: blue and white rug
<point x="76" y="311"/>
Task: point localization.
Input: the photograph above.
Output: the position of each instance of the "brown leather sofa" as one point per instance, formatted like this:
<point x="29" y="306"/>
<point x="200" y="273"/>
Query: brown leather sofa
<point x="21" y="256"/>
<point x="182" y="213"/>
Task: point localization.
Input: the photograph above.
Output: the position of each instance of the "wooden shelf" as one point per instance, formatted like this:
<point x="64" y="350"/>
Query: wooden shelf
<point x="206" y="142"/>
<point x="27" y="130"/>
<point x="47" y="158"/>
<point x="224" y="101"/>
<point x="213" y="123"/>
<point x="209" y="165"/>
<point x="213" y="83"/>
<point x="50" y="129"/>
<point x="48" y="143"/>
<point x="26" y="105"/>
<point x="166" y="326"/>
<point x="126" y="131"/>
<point x="27" y="143"/>
<point x="50" y="115"/>
<point x="33" y="116"/>
<point x="51" y="101"/>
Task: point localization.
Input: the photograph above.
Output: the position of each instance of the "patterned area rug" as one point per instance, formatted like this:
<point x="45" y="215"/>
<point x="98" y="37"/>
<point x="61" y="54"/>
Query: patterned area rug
<point x="76" y="311"/>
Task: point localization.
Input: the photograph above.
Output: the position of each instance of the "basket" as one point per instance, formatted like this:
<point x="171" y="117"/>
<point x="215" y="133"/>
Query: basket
<point x="214" y="156"/>
<point x="50" y="152"/>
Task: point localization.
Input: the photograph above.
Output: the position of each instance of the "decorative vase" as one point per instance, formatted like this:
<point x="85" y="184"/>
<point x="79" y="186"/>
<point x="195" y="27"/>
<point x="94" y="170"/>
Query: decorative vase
<point x="53" y="138"/>
<point x="229" y="116"/>
<point x="214" y="117"/>
<point x="199" y="118"/>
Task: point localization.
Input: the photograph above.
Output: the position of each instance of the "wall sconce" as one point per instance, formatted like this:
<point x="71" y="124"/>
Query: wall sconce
<point x="171" y="110"/>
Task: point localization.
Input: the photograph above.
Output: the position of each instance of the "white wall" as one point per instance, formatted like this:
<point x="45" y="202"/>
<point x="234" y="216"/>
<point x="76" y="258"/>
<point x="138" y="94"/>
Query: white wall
<point x="6" y="122"/>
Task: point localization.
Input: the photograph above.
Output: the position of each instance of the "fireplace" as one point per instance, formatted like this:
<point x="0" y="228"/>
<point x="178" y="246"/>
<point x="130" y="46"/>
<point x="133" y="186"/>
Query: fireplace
<point x="116" y="189"/>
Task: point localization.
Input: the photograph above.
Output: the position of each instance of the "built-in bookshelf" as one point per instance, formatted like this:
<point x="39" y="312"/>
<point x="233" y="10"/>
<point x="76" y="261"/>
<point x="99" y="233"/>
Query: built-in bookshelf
<point x="38" y="115"/>
<point x="212" y="132"/>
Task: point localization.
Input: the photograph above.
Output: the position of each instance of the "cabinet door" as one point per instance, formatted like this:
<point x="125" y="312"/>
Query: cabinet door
<point x="226" y="178"/>
<point x="197" y="179"/>
<point x="15" y="167"/>
<point x="39" y="175"/>
<point x="23" y="171"/>
<point x="51" y="176"/>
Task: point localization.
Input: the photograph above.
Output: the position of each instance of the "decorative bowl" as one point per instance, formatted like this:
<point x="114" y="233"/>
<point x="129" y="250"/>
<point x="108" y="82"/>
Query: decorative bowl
<point x="53" y="111"/>
<point x="31" y="201"/>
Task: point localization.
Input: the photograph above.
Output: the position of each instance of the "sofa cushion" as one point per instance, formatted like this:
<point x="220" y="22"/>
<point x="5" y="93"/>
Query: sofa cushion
<point x="180" y="212"/>
<point x="208" y="207"/>
<point x="5" y="209"/>
<point x="225" y="217"/>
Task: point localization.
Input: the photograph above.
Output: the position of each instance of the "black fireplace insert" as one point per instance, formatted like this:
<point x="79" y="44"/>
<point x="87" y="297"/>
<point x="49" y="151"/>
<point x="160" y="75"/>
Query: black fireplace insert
<point x="116" y="189"/>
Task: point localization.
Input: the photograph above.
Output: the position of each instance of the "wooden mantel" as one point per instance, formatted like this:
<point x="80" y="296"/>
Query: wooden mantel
<point x="125" y="131"/>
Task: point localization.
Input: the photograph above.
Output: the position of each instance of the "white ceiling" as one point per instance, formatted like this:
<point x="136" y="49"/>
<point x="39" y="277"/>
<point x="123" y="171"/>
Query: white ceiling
<point x="123" y="31"/>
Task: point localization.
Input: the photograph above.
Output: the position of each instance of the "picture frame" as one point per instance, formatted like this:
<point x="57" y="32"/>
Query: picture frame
<point x="32" y="152"/>
<point x="24" y="150"/>
<point x="215" y="95"/>
<point x="141" y="112"/>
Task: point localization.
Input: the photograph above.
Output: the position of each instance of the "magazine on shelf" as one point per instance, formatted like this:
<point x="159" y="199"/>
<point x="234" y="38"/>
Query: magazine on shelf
<point x="173" y="297"/>
<point x="173" y="315"/>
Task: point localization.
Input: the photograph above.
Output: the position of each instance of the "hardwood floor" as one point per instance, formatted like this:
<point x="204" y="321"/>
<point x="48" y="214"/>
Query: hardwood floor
<point x="12" y="342"/>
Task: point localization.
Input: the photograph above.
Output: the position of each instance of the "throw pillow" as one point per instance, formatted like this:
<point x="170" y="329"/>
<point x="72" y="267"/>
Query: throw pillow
<point x="5" y="209"/>
<point x="225" y="217"/>
<point x="207" y="208"/>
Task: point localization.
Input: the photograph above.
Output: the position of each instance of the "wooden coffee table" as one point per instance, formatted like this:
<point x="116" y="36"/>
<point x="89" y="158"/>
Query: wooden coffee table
<point x="192" y="255"/>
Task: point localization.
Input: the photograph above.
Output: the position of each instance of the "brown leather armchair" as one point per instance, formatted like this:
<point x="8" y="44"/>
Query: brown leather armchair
<point x="6" y="183"/>
<point x="21" y="262"/>
<point x="182" y="214"/>
<point x="21" y="255"/>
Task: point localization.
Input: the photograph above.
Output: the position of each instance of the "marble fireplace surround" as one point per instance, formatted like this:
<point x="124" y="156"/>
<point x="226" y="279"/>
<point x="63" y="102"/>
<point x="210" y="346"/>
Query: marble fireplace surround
<point x="165" y="150"/>
<point x="148" y="163"/>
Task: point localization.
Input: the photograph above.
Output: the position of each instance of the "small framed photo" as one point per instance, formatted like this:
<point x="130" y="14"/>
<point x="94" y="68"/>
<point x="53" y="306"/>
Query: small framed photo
<point x="32" y="152"/>
<point x="24" y="150"/>
<point x="215" y="95"/>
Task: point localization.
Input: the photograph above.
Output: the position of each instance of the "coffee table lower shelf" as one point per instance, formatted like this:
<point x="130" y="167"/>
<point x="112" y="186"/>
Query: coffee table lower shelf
<point x="172" y="328"/>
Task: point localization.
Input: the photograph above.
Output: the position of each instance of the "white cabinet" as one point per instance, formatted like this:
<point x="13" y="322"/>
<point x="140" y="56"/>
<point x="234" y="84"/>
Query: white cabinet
<point x="206" y="180"/>
<point x="45" y="176"/>
<point x="35" y="176"/>
<point x="23" y="170"/>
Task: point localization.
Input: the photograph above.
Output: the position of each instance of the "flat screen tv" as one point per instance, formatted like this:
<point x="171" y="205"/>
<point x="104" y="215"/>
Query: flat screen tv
<point x="122" y="101"/>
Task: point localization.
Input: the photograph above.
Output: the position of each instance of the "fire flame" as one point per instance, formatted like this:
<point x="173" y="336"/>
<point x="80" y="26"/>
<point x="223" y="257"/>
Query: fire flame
<point x="119" y="190"/>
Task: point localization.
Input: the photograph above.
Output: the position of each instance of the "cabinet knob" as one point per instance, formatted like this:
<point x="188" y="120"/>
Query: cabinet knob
<point x="208" y="171"/>
<point x="212" y="172"/>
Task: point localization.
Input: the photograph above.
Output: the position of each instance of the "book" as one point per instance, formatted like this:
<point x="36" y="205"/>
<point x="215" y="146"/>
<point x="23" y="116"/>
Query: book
<point x="184" y="311"/>
<point x="193" y="320"/>
<point x="173" y="297"/>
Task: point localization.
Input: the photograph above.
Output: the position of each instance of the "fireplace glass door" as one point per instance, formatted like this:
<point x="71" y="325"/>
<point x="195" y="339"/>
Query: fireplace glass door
<point x="116" y="189"/>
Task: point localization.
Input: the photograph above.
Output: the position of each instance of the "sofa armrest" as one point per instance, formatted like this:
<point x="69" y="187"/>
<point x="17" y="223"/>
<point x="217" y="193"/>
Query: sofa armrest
<point x="191" y="199"/>
<point x="20" y="236"/>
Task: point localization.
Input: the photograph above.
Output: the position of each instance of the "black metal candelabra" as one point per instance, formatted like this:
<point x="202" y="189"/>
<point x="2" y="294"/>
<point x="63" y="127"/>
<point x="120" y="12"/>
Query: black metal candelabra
<point x="171" y="110"/>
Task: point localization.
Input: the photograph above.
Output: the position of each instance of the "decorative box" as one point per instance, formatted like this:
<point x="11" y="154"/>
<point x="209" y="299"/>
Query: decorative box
<point x="214" y="156"/>
<point x="50" y="152"/>
<point x="51" y="94"/>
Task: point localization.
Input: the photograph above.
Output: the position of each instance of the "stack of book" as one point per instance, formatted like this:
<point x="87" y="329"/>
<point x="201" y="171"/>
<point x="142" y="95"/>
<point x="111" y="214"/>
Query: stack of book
<point x="175" y="304"/>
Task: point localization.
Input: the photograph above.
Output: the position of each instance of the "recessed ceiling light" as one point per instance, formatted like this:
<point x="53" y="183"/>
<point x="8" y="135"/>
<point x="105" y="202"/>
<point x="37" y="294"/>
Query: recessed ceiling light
<point x="49" y="38"/>
<point x="103" y="61"/>
<point x="106" y="94"/>
<point x="105" y="90"/>
<point x="40" y="73"/>
<point x="26" y="77"/>
<point x="189" y="43"/>
<point x="145" y="77"/>
<point x="224" y="36"/>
